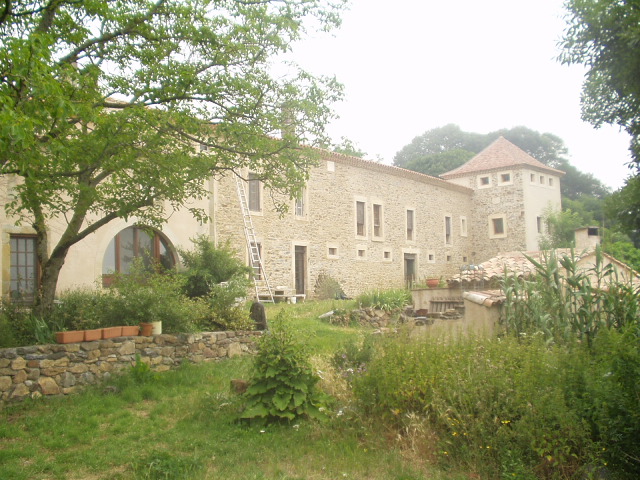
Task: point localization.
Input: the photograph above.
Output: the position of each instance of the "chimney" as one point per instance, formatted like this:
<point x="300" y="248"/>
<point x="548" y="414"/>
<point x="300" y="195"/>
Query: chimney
<point x="587" y="238"/>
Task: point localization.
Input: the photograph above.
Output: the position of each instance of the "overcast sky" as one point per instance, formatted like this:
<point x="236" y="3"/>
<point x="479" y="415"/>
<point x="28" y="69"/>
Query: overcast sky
<point x="412" y="65"/>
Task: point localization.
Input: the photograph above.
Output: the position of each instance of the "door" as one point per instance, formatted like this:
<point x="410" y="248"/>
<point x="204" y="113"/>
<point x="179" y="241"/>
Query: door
<point x="409" y="269"/>
<point x="300" y="269"/>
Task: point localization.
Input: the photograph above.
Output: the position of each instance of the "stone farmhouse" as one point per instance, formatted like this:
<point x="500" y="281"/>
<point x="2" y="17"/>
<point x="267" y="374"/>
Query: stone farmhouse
<point x="365" y="224"/>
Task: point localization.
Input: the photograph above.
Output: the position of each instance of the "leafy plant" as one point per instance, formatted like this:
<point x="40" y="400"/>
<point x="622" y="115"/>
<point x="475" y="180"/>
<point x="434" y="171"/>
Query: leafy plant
<point x="147" y="296"/>
<point x="141" y="372"/>
<point x="283" y="385"/>
<point x="387" y="300"/>
<point x="207" y="266"/>
<point x="328" y="288"/>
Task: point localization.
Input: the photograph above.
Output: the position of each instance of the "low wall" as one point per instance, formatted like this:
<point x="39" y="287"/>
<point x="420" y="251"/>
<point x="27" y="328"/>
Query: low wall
<point x="62" y="369"/>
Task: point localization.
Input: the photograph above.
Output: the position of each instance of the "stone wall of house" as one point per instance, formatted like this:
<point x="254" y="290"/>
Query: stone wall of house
<point x="327" y="228"/>
<point x="39" y="370"/>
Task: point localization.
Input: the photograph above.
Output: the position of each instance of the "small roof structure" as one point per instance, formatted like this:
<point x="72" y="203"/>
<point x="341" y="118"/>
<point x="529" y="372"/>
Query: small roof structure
<point x="517" y="263"/>
<point x="500" y="155"/>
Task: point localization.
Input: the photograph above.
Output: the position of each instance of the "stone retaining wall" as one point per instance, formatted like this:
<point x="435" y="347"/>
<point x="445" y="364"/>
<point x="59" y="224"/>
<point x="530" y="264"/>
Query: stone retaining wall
<point x="62" y="369"/>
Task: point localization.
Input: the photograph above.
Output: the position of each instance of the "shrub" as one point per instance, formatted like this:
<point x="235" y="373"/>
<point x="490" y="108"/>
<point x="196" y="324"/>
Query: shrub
<point x="144" y="296"/>
<point x="497" y="406"/>
<point x="206" y="266"/>
<point x="80" y="309"/>
<point x="387" y="300"/>
<point x="225" y="304"/>
<point x="283" y="385"/>
<point x="328" y="288"/>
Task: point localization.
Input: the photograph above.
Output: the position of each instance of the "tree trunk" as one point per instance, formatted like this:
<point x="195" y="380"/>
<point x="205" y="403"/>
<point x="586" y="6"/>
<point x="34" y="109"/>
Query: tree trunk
<point x="48" y="282"/>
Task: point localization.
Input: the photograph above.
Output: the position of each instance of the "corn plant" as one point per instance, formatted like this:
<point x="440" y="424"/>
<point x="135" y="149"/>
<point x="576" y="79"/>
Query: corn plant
<point x="563" y="302"/>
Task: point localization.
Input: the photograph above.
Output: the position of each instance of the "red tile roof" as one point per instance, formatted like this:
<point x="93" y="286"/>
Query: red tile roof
<point x="501" y="154"/>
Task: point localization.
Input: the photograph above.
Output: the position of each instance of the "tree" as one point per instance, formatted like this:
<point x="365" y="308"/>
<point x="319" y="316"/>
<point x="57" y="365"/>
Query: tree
<point x="347" y="147"/>
<point x="103" y="104"/>
<point x="444" y="148"/>
<point x="623" y="207"/>
<point x="604" y="35"/>
<point x="423" y="148"/>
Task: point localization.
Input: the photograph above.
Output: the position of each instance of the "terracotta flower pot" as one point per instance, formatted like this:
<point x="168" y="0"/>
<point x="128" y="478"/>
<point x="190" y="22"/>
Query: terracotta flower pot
<point x="130" y="331"/>
<point x="92" y="335"/>
<point x="433" y="282"/>
<point x="146" y="329"/>
<point x="72" y="336"/>
<point x="111" y="332"/>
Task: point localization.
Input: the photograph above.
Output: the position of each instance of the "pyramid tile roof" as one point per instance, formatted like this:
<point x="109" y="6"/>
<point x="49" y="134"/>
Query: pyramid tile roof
<point x="501" y="154"/>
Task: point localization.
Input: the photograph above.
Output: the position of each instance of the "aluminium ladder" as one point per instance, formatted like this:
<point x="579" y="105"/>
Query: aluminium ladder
<point x="260" y="280"/>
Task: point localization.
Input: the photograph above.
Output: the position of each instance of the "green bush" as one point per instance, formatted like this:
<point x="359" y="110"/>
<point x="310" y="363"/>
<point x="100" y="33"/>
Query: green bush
<point x="207" y="266"/>
<point x="143" y="296"/>
<point x="283" y="385"/>
<point x="80" y="309"/>
<point x="328" y="288"/>
<point x="498" y="406"/>
<point x="19" y="327"/>
<point x="226" y="309"/>
<point x="387" y="300"/>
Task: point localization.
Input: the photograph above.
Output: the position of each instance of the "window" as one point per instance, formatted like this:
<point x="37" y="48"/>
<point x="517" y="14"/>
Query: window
<point x="360" y="225"/>
<point x="484" y="182"/>
<point x="386" y="256"/>
<point x="505" y="178"/>
<point x="410" y="224"/>
<point x="532" y="178"/>
<point x="362" y="253"/>
<point x="463" y="226"/>
<point x="431" y="257"/>
<point x="448" y="258"/>
<point x="377" y="220"/>
<point x="498" y="226"/>
<point x="550" y="182"/>
<point x="135" y="242"/>
<point x="23" y="271"/>
<point x="332" y="250"/>
<point x="255" y="203"/>
<point x="464" y="259"/>
<point x="300" y="207"/>
<point x="541" y="179"/>
<point x="447" y="230"/>
<point x="539" y="224"/>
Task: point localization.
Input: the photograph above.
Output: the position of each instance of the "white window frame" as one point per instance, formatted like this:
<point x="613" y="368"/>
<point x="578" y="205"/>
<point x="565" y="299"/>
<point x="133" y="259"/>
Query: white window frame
<point x="364" y="233"/>
<point x="380" y="235"/>
<point x="331" y="246"/>
<point x="487" y="185"/>
<point x="498" y="216"/>
<point x="464" y="225"/>
<point x="406" y="224"/>
<point x="507" y="182"/>
<point x="390" y="252"/>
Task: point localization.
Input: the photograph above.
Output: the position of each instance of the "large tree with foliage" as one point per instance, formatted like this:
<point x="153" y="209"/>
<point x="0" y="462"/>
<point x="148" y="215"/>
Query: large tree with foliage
<point x="604" y="36"/>
<point x="103" y="104"/>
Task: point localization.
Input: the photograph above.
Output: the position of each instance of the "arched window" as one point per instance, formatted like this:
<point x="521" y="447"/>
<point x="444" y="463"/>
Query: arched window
<point x="136" y="242"/>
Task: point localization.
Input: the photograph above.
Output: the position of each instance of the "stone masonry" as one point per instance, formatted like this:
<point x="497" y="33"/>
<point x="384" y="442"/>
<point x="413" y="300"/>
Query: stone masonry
<point x="43" y="370"/>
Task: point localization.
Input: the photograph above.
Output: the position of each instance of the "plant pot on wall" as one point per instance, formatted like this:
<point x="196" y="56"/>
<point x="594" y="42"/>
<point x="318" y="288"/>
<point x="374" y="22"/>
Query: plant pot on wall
<point x="111" y="332"/>
<point x="157" y="328"/>
<point x="432" y="282"/>
<point x="146" y="329"/>
<point x="72" y="336"/>
<point x="92" y="335"/>
<point x="130" y="331"/>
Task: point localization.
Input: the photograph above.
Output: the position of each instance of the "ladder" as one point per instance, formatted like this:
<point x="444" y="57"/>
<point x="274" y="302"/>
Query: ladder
<point x="260" y="281"/>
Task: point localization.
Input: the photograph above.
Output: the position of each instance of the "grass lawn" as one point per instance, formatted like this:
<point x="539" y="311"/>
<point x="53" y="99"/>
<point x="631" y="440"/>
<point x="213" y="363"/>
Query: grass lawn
<point x="181" y="425"/>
